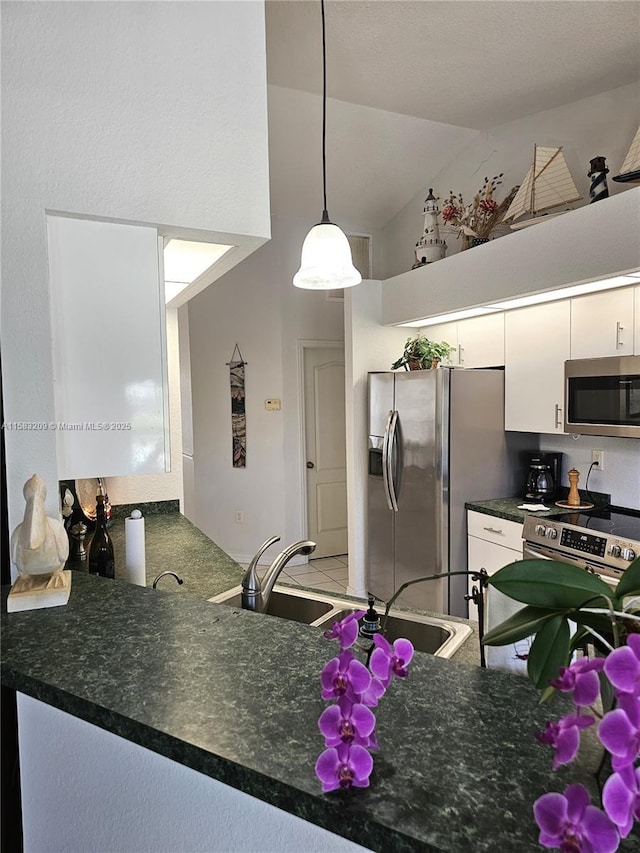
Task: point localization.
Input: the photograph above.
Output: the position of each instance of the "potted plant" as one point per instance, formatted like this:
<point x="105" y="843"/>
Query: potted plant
<point x="422" y="354"/>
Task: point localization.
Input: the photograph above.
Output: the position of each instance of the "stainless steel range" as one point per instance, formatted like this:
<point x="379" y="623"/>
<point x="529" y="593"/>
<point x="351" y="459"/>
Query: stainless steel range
<point x="602" y="541"/>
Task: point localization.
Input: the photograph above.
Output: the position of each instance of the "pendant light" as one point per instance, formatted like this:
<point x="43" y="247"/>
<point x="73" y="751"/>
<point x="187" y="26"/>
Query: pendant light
<point x="326" y="262"/>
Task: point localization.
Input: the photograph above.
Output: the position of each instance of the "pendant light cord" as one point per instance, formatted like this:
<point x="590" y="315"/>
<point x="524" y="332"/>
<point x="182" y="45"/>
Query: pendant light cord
<point x="325" y="214"/>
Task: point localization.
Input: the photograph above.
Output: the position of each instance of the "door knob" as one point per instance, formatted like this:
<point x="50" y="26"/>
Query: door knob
<point x="310" y="465"/>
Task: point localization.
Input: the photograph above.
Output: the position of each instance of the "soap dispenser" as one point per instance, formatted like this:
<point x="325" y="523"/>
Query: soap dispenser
<point x="370" y="625"/>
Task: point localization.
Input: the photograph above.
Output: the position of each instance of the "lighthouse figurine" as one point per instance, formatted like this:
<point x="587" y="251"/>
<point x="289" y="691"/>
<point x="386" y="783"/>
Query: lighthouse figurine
<point x="430" y="247"/>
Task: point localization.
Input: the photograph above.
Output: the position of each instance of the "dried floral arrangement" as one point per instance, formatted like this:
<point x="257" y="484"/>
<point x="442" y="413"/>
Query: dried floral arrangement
<point x="481" y="217"/>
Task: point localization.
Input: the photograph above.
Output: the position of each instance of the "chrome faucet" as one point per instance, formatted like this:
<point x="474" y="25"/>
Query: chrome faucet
<point x="162" y="574"/>
<point x="256" y="592"/>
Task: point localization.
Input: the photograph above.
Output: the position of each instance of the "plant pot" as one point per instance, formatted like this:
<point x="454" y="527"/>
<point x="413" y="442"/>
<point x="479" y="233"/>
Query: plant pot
<point x="478" y="241"/>
<point x="415" y="364"/>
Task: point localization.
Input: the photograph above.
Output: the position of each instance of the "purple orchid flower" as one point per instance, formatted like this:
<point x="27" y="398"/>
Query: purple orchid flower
<point x="387" y="660"/>
<point x="346" y="631"/>
<point x="564" y="737"/>
<point x="619" y="731"/>
<point x="344" y="766"/>
<point x="568" y="822"/>
<point x="581" y="679"/>
<point x="348" y="723"/>
<point x="374" y="692"/>
<point x="621" y="798"/>
<point x="344" y="676"/>
<point x="622" y="667"/>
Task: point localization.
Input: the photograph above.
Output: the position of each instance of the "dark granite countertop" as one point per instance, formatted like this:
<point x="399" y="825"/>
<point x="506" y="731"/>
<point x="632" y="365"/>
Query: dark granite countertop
<point x="173" y="543"/>
<point x="507" y="508"/>
<point x="235" y="695"/>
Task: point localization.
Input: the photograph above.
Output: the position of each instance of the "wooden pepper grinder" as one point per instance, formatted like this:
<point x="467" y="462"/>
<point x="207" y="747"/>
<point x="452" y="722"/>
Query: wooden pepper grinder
<point x="573" y="498"/>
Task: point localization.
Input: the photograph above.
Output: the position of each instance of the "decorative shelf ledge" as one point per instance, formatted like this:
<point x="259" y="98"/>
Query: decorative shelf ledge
<point x="595" y="241"/>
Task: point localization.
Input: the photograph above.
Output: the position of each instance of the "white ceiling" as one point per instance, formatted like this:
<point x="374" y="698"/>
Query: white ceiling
<point x="474" y="63"/>
<point x="441" y="70"/>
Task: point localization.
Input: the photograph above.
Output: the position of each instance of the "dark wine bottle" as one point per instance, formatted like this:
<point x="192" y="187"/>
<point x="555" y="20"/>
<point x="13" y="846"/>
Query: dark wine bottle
<point x="101" y="559"/>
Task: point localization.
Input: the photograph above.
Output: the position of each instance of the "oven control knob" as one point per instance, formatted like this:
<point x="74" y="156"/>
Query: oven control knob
<point x="540" y="529"/>
<point x="615" y="550"/>
<point x="628" y="554"/>
<point x="551" y="533"/>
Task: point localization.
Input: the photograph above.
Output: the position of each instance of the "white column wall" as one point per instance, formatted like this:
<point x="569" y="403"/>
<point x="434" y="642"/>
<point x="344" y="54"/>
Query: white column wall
<point x="368" y="346"/>
<point x="84" y="789"/>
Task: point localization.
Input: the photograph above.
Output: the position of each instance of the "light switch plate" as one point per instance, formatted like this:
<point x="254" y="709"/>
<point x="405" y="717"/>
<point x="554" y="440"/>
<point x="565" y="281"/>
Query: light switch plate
<point x="272" y="404"/>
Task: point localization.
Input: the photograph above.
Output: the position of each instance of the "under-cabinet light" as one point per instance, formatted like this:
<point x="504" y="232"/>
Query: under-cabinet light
<point x="530" y="299"/>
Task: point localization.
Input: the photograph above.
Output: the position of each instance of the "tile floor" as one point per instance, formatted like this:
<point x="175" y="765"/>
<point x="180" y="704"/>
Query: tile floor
<point x="328" y="573"/>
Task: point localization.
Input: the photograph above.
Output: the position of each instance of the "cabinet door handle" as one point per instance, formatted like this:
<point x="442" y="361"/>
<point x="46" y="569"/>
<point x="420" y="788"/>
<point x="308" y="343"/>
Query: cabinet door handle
<point x="558" y="416"/>
<point x="619" y="329"/>
<point x="460" y="356"/>
<point x="493" y="530"/>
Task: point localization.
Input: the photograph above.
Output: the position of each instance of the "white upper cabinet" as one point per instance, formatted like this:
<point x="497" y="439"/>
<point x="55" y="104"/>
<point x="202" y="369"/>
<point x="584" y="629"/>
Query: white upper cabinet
<point x="602" y="324"/>
<point x="478" y="341"/>
<point x="481" y="341"/>
<point x="536" y="347"/>
<point x="109" y="348"/>
<point x="444" y="332"/>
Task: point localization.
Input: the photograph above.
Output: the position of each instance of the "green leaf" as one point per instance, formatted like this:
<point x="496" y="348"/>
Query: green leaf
<point x="524" y="623"/>
<point x="630" y="583"/>
<point x="551" y="584"/>
<point x="549" y="651"/>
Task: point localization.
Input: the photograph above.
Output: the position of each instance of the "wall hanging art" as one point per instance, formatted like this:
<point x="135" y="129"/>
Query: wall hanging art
<point x="238" y="414"/>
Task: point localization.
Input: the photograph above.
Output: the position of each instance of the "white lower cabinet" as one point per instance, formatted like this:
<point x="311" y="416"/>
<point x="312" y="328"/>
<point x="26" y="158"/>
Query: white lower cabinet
<point x="537" y="344"/>
<point x="491" y="544"/>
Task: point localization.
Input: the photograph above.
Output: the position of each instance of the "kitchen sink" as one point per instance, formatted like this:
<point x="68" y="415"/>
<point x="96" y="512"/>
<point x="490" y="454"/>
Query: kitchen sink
<point x="425" y="636"/>
<point x="432" y="634"/>
<point x="286" y="605"/>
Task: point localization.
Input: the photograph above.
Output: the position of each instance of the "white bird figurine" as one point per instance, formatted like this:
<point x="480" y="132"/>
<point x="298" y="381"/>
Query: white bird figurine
<point x="39" y="545"/>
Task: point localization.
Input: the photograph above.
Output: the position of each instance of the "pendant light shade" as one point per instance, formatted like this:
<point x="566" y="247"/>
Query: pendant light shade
<point x="326" y="262"/>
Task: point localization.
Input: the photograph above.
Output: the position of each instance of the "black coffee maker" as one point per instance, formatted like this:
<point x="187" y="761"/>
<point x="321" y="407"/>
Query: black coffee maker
<point x="543" y="476"/>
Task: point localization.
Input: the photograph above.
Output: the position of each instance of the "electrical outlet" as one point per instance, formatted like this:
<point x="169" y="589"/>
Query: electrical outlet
<point x="239" y="516"/>
<point x="598" y="456"/>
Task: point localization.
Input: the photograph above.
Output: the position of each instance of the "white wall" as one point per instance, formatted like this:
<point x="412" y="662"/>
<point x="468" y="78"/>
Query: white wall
<point x="256" y="306"/>
<point x="601" y="125"/>
<point x="620" y="476"/>
<point x="84" y="788"/>
<point x="137" y="112"/>
<point x="368" y="346"/>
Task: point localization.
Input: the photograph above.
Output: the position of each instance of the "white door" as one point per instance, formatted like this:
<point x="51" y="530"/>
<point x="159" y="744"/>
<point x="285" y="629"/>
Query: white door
<point x="325" y="448"/>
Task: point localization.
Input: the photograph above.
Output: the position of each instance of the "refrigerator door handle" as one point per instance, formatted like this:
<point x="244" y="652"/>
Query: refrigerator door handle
<point x="385" y="460"/>
<point x="391" y="445"/>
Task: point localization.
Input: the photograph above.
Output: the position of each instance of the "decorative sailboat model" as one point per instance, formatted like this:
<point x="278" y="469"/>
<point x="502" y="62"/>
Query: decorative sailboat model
<point x="548" y="184"/>
<point x="630" y="171"/>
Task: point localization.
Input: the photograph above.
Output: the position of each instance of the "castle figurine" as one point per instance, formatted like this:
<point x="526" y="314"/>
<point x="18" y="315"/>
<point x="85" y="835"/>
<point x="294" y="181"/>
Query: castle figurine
<point x="430" y="247"/>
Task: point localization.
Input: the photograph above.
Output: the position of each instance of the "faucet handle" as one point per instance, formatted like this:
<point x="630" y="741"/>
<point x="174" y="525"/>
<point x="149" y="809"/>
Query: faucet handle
<point x="251" y="581"/>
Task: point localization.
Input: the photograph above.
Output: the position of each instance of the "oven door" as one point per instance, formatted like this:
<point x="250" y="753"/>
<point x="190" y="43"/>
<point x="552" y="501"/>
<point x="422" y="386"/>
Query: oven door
<point x="539" y="552"/>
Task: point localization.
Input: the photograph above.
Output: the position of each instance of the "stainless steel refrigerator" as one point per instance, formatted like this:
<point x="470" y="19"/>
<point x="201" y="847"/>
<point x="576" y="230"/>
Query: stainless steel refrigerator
<point x="436" y="440"/>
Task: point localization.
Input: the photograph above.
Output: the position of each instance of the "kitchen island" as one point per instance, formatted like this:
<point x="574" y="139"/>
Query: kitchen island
<point x="233" y="696"/>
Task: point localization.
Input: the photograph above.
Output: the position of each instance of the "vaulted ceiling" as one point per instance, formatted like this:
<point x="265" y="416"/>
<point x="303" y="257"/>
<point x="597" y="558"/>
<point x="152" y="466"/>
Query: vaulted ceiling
<point x="439" y="69"/>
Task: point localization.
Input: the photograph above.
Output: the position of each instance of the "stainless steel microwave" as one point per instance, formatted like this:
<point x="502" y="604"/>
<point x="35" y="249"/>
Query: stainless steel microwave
<point x="602" y="396"/>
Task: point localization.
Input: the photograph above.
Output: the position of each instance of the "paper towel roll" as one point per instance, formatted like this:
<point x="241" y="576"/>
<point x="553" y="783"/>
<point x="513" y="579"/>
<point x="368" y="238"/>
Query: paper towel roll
<point x="135" y="571"/>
